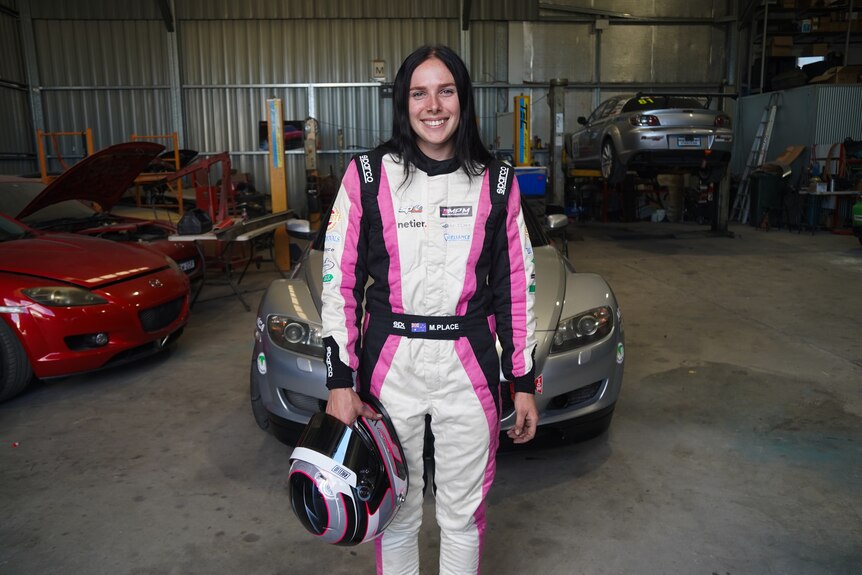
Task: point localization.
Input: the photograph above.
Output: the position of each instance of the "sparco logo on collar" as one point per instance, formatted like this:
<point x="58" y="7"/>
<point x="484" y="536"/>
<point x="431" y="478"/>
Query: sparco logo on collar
<point x="501" y="180"/>
<point x="366" y="169"/>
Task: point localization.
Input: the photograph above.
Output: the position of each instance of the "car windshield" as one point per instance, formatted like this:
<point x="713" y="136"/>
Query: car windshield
<point x="538" y="238"/>
<point x="14" y="197"/>
<point x="659" y="102"/>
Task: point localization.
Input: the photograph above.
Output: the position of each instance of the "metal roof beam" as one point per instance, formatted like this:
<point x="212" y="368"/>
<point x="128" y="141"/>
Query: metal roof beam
<point x="167" y="14"/>
<point x="590" y="14"/>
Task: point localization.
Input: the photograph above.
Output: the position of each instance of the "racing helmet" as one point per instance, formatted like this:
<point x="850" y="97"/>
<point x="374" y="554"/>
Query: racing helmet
<point x="346" y="483"/>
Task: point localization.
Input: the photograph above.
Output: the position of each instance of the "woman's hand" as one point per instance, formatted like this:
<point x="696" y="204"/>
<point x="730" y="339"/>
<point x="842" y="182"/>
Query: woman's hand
<point x="344" y="404"/>
<point x="526" y="418"/>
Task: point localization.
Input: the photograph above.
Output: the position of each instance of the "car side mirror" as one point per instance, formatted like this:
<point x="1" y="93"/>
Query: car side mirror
<point x="582" y="120"/>
<point x="557" y="221"/>
<point x="300" y="229"/>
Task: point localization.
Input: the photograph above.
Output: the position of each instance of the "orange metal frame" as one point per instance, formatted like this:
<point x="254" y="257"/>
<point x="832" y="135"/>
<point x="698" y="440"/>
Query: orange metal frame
<point x="161" y="177"/>
<point x="87" y="135"/>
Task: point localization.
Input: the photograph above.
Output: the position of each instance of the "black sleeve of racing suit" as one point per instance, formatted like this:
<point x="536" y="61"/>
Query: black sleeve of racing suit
<point x="513" y="286"/>
<point x="344" y="277"/>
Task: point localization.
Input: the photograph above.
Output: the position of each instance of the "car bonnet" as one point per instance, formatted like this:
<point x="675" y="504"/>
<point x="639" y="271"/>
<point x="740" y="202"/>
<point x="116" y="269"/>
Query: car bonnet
<point x="76" y="259"/>
<point x="102" y="177"/>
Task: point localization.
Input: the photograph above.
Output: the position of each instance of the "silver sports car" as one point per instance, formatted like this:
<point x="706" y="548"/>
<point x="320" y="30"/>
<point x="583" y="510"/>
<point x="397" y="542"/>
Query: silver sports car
<point x="579" y="358"/>
<point x="652" y="134"/>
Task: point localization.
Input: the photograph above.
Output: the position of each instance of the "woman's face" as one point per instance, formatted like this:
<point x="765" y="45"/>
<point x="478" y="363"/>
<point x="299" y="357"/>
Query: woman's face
<point x="434" y="109"/>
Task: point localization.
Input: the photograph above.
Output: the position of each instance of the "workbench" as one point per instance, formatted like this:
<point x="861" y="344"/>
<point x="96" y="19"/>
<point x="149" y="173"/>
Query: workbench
<point x="230" y="236"/>
<point x="812" y="205"/>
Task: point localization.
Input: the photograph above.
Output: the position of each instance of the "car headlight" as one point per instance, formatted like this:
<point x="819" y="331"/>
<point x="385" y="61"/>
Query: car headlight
<point x="583" y="329"/>
<point x="64" y="296"/>
<point x="295" y="335"/>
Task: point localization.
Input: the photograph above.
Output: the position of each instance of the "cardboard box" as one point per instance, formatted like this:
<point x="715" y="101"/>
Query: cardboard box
<point x="819" y="49"/>
<point x="783" y="51"/>
<point x="839" y="75"/>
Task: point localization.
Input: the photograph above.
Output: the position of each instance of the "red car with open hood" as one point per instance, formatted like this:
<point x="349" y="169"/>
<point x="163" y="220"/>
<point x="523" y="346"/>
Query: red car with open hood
<point x="72" y="303"/>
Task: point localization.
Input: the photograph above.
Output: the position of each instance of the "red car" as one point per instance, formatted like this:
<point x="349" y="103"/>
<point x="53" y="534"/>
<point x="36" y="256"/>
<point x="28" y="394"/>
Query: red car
<point x="66" y="204"/>
<point x="71" y="303"/>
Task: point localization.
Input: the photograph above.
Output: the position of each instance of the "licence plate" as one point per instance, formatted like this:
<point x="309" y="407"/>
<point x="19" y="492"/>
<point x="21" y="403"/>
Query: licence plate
<point x="187" y="265"/>
<point x="688" y="141"/>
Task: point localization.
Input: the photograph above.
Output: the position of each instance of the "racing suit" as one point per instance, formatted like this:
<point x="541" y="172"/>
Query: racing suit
<point x="452" y="271"/>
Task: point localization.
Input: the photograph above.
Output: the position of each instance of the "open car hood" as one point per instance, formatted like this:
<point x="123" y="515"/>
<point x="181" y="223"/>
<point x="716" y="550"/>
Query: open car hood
<point x="102" y="178"/>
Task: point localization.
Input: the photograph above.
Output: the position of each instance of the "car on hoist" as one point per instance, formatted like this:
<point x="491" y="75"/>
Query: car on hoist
<point x="81" y="200"/>
<point x="652" y="134"/>
<point x="579" y="356"/>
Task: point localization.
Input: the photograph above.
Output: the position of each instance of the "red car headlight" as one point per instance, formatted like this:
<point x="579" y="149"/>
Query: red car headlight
<point x="64" y="296"/>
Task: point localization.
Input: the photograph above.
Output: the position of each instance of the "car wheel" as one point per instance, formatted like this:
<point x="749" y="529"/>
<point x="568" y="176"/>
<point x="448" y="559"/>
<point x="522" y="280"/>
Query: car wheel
<point x="612" y="169"/>
<point x="15" y="370"/>
<point x="261" y="416"/>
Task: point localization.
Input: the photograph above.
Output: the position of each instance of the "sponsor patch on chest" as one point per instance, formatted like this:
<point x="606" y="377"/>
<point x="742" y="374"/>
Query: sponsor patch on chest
<point x="456" y="211"/>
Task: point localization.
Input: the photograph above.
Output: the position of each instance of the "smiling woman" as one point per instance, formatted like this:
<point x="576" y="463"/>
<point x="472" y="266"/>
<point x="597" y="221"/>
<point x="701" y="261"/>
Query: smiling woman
<point x="440" y="298"/>
<point x="434" y="109"/>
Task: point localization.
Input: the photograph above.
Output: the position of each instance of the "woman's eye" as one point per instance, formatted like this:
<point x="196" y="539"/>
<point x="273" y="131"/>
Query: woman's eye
<point x="417" y="94"/>
<point x="448" y="91"/>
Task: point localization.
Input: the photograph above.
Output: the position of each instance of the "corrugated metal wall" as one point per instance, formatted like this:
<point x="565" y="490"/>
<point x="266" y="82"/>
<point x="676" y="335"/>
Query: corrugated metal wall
<point x="15" y="140"/>
<point x="819" y="115"/>
<point x="107" y="65"/>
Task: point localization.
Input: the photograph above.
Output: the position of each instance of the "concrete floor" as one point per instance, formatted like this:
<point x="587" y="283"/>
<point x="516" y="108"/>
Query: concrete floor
<point x="736" y="447"/>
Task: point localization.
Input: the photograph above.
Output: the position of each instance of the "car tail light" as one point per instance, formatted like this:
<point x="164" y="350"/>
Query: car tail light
<point x="722" y="121"/>
<point x="644" y="120"/>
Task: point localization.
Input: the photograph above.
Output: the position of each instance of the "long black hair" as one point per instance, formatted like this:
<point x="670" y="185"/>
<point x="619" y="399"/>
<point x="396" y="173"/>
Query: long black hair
<point x="470" y="152"/>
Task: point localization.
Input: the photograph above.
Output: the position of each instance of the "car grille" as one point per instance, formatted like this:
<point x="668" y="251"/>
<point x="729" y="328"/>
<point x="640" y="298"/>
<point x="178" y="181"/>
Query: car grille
<point x="303" y="402"/>
<point x="161" y="316"/>
<point x="576" y="396"/>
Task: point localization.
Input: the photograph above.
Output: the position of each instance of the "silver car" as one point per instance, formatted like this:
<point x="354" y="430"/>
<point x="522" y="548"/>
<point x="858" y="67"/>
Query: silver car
<point x="580" y="354"/>
<point x="652" y="134"/>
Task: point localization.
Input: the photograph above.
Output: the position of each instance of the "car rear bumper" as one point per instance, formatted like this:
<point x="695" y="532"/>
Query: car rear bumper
<point x="676" y="148"/>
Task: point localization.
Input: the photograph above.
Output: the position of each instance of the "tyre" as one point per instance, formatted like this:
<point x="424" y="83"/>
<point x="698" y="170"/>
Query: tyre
<point x="612" y="169"/>
<point x="15" y="370"/>
<point x="261" y="416"/>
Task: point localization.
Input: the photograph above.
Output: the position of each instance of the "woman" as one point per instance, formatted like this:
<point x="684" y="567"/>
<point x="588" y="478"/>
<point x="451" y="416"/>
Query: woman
<point x="436" y="223"/>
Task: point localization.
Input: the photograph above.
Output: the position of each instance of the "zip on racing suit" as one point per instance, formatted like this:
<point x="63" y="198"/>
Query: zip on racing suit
<point x="452" y="271"/>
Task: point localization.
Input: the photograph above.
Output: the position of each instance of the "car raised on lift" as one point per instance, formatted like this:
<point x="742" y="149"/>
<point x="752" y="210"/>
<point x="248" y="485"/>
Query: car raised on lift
<point x="652" y="134"/>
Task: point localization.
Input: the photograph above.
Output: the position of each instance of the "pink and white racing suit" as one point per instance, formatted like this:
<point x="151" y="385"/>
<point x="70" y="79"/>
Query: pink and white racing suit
<point x="452" y="271"/>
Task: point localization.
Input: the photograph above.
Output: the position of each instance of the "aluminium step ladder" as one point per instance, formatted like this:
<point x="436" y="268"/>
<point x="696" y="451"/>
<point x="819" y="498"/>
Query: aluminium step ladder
<point x="756" y="157"/>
